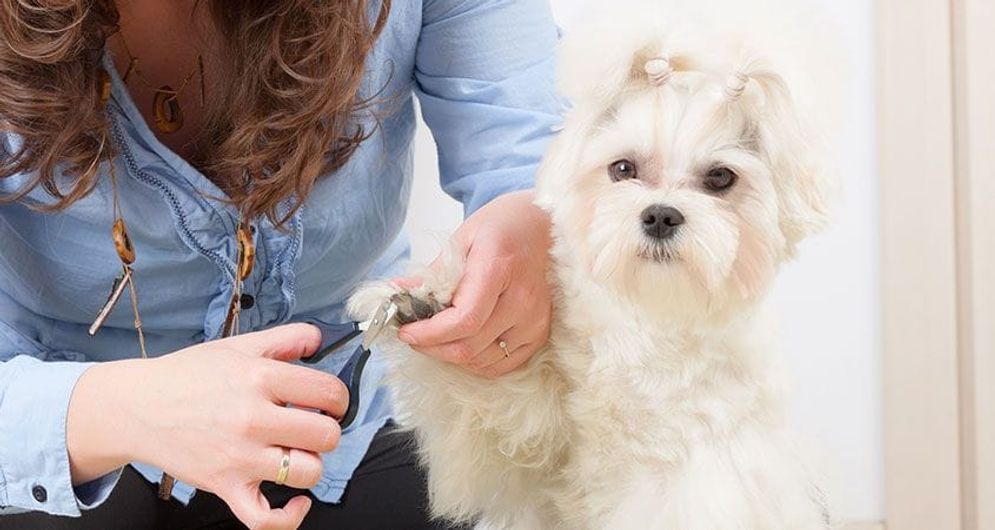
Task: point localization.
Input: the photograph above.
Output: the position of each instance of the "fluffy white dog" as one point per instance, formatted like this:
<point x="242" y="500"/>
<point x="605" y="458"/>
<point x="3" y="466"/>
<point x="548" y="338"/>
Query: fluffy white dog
<point x="684" y="176"/>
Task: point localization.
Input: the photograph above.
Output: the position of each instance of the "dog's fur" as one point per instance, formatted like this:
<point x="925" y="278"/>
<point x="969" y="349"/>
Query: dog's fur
<point x="658" y="400"/>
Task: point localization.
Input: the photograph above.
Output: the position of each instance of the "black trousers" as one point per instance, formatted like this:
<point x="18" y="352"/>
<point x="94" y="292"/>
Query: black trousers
<point x="386" y="492"/>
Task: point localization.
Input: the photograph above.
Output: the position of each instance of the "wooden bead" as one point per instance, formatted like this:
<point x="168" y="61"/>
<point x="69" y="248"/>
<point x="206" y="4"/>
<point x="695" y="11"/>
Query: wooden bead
<point x="105" y="88"/>
<point x="122" y="243"/>
<point x="246" y="252"/>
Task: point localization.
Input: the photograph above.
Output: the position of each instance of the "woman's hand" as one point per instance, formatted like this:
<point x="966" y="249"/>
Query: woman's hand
<point x="214" y="416"/>
<point x="504" y="294"/>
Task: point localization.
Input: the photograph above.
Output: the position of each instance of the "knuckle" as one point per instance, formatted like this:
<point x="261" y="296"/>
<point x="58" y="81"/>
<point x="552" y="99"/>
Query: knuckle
<point x="332" y="435"/>
<point x="528" y="294"/>
<point x="312" y="469"/>
<point x="543" y="321"/>
<point x="337" y="392"/>
<point x="244" y="459"/>
<point x="543" y="327"/>
<point x="308" y="338"/>
<point x="242" y="420"/>
<point x="461" y="352"/>
<point x="500" y="268"/>
<point x="470" y="321"/>
<point x="251" y="426"/>
<point x="258" y="375"/>
<point x="543" y="339"/>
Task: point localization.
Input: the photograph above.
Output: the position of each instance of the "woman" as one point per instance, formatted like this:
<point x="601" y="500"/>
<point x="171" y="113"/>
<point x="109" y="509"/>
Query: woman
<point x="254" y="163"/>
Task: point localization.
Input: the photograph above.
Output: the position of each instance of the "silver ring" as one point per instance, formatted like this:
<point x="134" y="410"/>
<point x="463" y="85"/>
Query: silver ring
<point x="504" y="347"/>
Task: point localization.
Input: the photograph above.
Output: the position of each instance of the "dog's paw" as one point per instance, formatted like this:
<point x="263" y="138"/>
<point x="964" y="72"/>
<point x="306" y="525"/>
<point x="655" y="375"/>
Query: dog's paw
<point x="431" y="293"/>
<point x="412" y="307"/>
<point x="413" y="304"/>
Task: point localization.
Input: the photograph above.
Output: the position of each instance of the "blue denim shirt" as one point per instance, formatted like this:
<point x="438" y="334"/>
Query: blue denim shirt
<point x="483" y="73"/>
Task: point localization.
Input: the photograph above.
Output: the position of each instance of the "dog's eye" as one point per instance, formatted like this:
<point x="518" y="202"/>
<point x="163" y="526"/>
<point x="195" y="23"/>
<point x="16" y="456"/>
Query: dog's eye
<point x="622" y="170"/>
<point x="720" y="179"/>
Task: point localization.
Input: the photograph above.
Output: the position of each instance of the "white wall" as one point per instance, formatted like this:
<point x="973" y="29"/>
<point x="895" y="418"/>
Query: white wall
<point x="828" y="299"/>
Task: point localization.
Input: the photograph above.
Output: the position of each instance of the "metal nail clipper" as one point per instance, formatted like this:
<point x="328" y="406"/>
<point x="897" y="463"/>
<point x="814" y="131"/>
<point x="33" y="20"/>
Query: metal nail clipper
<point x="400" y="309"/>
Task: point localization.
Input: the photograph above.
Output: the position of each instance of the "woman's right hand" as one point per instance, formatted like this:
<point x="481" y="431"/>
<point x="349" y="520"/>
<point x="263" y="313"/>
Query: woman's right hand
<point x="214" y="416"/>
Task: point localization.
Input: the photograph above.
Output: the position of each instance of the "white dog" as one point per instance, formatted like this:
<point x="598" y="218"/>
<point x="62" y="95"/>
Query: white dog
<point x="684" y="176"/>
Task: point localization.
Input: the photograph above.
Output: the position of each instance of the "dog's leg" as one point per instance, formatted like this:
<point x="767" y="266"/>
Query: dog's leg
<point x="489" y="445"/>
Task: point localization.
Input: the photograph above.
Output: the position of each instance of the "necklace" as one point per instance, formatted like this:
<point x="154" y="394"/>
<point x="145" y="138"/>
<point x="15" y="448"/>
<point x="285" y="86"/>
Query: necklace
<point x="168" y="116"/>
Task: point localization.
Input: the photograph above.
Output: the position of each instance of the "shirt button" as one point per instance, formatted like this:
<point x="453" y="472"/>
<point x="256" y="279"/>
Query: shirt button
<point x="247" y="301"/>
<point x="39" y="493"/>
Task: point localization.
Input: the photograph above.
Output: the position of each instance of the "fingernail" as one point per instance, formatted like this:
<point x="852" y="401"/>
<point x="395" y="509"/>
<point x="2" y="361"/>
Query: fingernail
<point x="406" y="338"/>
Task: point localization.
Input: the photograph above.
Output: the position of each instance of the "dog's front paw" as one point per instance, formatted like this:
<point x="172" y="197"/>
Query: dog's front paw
<point x="412" y="304"/>
<point x="414" y="307"/>
<point x="431" y="294"/>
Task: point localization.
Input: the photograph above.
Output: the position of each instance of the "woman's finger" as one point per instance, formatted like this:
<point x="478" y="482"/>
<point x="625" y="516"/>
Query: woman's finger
<point x="283" y="343"/>
<point x="491" y="354"/>
<point x="517" y="322"/>
<point x="303" y="472"/>
<point x="406" y="283"/>
<point x="302" y="429"/>
<point x="505" y="364"/>
<point x="253" y="509"/>
<point x="467" y="352"/>
<point x="307" y="388"/>
<point x="513" y="339"/>
<point x="473" y="302"/>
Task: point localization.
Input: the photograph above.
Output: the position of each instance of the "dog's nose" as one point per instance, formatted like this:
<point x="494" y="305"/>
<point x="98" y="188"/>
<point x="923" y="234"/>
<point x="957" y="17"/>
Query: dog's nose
<point x="661" y="222"/>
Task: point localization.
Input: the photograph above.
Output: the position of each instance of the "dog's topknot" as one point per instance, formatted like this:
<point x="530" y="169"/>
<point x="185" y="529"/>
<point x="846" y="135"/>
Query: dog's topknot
<point x="658" y="70"/>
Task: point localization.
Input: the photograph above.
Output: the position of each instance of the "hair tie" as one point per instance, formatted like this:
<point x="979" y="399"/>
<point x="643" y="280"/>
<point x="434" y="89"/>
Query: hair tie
<point x="658" y="70"/>
<point x="736" y="85"/>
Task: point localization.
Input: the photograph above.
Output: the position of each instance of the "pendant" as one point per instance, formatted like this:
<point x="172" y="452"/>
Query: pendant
<point x="246" y="251"/>
<point x="125" y="253"/>
<point x="168" y="115"/>
<point x="117" y="289"/>
<point x="122" y="242"/>
<point x="105" y="88"/>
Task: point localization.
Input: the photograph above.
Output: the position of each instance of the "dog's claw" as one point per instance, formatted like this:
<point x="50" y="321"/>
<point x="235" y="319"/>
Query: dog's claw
<point x="412" y="309"/>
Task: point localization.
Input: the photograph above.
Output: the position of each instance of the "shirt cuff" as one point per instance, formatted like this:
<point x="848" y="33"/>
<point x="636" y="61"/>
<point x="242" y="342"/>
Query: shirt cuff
<point x="34" y="459"/>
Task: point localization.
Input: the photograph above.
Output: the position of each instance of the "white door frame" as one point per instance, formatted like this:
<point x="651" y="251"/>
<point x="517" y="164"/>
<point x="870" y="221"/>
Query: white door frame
<point x="974" y="163"/>
<point x="937" y="132"/>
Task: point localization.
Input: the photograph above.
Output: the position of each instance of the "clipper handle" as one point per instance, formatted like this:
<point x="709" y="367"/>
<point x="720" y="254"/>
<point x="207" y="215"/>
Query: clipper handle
<point x="333" y="337"/>
<point x="352" y="374"/>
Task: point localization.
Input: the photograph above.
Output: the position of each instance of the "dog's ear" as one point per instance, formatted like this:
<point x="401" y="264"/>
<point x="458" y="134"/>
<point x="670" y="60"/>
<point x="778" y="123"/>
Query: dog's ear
<point x="805" y="185"/>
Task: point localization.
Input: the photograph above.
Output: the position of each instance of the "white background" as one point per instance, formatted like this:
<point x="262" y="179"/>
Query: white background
<point x="828" y="299"/>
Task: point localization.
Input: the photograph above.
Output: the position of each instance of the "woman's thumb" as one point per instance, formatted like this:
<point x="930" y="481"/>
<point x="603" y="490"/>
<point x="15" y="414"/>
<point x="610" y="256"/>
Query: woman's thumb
<point x="252" y="508"/>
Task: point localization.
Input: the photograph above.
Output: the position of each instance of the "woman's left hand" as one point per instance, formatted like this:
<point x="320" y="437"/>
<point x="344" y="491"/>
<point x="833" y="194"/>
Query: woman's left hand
<point x="503" y="296"/>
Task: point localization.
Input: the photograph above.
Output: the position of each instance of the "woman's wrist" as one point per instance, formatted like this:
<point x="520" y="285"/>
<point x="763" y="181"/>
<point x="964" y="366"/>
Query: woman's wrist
<point x="101" y="433"/>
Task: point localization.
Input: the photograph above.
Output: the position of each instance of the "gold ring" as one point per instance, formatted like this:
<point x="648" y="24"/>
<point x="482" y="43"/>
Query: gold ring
<point x="504" y="347"/>
<point x="281" y="476"/>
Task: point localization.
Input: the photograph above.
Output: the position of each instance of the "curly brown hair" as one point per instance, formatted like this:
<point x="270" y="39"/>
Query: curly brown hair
<point x="297" y="68"/>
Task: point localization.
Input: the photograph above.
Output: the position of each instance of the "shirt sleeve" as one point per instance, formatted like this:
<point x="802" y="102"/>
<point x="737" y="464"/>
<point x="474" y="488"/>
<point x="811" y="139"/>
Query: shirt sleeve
<point x="485" y="80"/>
<point x="34" y="459"/>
